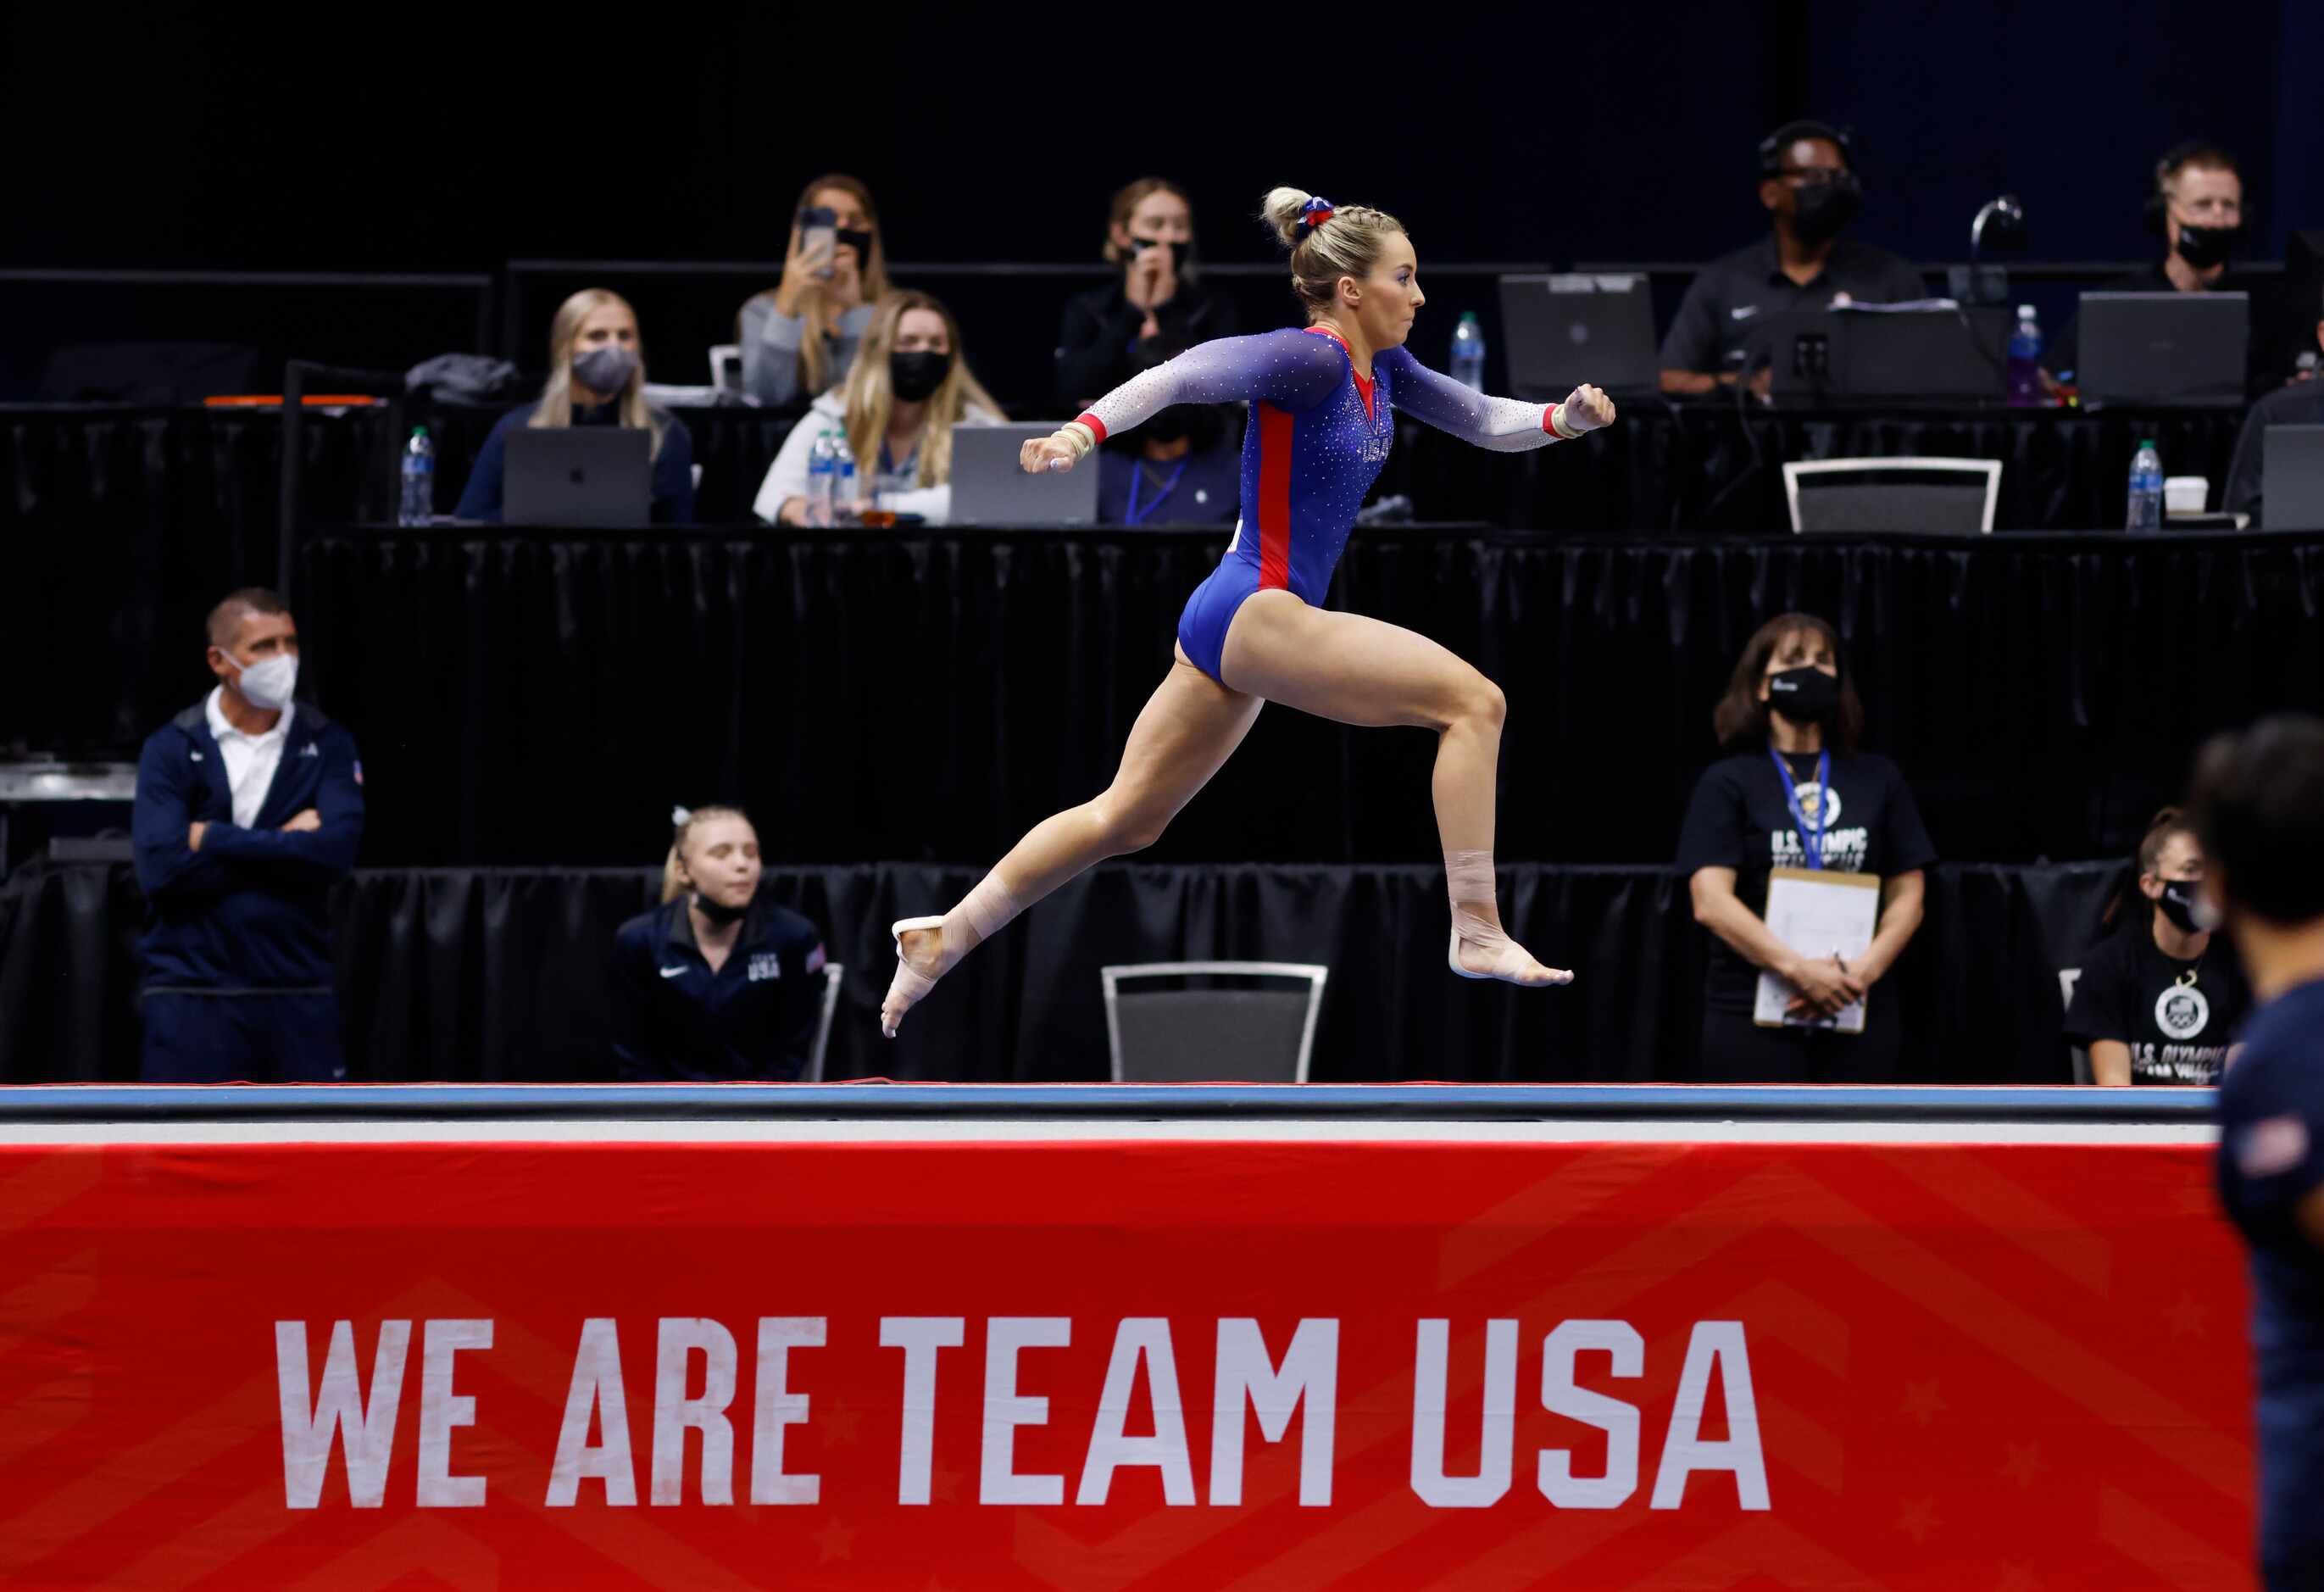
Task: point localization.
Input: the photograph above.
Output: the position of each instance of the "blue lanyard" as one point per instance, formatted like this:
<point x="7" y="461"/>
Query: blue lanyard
<point x="1137" y="472"/>
<point x="1811" y="835"/>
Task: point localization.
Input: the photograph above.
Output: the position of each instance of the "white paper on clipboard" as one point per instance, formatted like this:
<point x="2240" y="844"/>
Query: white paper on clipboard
<point x="1817" y="913"/>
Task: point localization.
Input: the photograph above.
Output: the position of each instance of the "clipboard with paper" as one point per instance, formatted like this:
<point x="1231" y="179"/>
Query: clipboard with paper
<point x="1817" y="915"/>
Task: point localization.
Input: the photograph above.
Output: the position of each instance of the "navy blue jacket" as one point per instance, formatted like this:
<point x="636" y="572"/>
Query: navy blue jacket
<point x="673" y="467"/>
<point x="249" y="910"/>
<point x="754" y="1018"/>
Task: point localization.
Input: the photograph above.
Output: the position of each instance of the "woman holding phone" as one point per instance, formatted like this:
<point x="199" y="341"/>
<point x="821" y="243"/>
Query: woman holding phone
<point x="800" y="337"/>
<point x="1323" y="402"/>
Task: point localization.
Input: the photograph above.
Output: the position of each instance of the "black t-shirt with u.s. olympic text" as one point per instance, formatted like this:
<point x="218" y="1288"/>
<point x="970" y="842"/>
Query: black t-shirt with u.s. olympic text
<point x="1739" y="819"/>
<point x="2177" y="1017"/>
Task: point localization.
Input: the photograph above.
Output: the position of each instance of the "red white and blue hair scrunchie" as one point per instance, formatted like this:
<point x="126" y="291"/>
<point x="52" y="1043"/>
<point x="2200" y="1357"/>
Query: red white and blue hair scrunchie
<point x="1314" y="213"/>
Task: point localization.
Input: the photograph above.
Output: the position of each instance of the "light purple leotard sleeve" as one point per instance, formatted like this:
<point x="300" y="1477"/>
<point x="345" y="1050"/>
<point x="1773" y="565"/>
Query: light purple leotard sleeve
<point x="1292" y="370"/>
<point x="1504" y="425"/>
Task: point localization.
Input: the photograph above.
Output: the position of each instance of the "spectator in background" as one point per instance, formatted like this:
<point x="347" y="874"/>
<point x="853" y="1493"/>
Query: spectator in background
<point x="2160" y="1001"/>
<point x="715" y="983"/>
<point x="2299" y="403"/>
<point x="597" y="377"/>
<point x="800" y="337"/>
<point x="1159" y="305"/>
<point x="1182" y="467"/>
<point x="2195" y="209"/>
<point x="903" y="397"/>
<point x="1810" y="188"/>
<point x="249" y="808"/>
<point x="1793" y="792"/>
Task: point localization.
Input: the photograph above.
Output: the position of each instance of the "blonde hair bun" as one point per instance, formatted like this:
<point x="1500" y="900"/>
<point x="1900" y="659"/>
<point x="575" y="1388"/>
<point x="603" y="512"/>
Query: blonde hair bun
<point x="1280" y="210"/>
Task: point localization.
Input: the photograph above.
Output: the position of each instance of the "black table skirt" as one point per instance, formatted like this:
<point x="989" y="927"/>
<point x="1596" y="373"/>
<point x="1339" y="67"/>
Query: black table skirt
<point x="466" y="974"/>
<point x="536" y="701"/>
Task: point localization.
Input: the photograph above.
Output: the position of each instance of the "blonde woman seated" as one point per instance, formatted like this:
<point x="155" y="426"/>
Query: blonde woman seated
<point x="597" y="377"/>
<point x="800" y="337"/>
<point x="907" y="389"/>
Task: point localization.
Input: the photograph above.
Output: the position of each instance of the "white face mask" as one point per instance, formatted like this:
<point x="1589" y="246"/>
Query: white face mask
<point x="268" y="686"/>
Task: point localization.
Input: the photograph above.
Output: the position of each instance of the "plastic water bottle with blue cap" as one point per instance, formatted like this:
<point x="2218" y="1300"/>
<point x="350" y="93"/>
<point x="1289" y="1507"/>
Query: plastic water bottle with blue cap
<point x="418" y="503"/>
<point x="842" y="481"/>
<point x="1469" y="353"/>
<point x="2025" y="360"/>
<point x="822" y="469"/>
<point x="2146" y="489"/>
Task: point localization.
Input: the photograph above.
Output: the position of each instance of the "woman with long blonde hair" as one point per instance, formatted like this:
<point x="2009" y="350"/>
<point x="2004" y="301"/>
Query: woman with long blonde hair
<point x="911" y="385"/>
<point x="597" y="377"/>
<point x="800" y="337"/>
<point x="1323" y="402"/>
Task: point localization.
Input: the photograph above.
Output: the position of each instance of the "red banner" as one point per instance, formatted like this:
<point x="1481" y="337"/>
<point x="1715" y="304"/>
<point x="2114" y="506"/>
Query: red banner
<point x="1100" y="1367"/>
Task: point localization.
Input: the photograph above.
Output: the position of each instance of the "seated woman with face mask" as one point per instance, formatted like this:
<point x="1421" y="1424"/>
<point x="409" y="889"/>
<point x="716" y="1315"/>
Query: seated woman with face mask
<point x="800" y="337"/>
<point x="2160" y="1002"/>
<point x="717" y="984"/>
<point x="907" y="390"/>
<point x="597" y="377"/>
<point x="1794" y="792"/>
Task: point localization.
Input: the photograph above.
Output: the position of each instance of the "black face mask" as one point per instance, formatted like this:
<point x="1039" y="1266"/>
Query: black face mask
<point x="719" y="912"/>
<point x="1179" y="250"/>
<point x="2178" y="904"/>
<point x="2206" y="246"/>
<point x="861" y="242"/>
<point x="1805" y="695"/>
<point x="1172" y="424"/>
<point x="1825" y="208"/>
<point x="916" y="375"/>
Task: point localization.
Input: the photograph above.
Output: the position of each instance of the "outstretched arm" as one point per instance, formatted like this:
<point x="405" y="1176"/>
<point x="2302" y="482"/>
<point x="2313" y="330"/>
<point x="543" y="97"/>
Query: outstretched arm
<point x="1294" y="370"/>
<point x="1505" y="425"/>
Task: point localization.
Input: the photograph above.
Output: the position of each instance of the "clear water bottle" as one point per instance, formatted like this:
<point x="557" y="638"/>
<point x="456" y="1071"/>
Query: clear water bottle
<point x="1469" y="353"/>
<point x="418" y="505"/>
<point x="821" y="470"/>
<point x="2147" y="489"/>
<point x="2025" y="361"/>
<point x="842" y="481"/>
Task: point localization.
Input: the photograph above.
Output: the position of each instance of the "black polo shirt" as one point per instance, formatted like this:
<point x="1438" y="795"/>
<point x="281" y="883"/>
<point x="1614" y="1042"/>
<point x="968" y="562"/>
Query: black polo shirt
<point x="2301" y="404"/>
<point x="1731" y="292"/>
<point x="754" y="1018"/>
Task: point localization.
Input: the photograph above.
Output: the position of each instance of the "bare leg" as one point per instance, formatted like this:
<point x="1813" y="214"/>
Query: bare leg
<point x="1362" y="671"/>
<point x="1185" y="733"/>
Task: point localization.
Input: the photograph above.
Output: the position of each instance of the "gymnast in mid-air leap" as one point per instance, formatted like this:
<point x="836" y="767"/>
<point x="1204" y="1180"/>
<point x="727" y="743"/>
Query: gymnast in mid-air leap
<point x="1323" y="406"/>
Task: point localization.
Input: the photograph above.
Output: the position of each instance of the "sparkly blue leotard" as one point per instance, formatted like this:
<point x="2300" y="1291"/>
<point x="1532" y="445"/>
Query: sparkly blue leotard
<point x="1318" y="436"/>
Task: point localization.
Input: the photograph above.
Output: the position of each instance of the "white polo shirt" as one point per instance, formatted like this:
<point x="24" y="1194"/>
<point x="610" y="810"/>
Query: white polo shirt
<point x="249" y="760"/>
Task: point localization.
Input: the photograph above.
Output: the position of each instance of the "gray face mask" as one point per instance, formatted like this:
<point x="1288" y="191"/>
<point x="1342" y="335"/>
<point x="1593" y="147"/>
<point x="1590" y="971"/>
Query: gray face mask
<point x="606" y="370"/>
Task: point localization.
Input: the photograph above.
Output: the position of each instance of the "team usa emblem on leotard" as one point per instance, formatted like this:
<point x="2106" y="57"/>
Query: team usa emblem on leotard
<point x="2181" y="1012"/>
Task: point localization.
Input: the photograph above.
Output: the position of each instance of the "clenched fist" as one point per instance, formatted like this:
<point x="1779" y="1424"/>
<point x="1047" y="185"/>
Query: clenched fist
<point x="1587" y="410"/>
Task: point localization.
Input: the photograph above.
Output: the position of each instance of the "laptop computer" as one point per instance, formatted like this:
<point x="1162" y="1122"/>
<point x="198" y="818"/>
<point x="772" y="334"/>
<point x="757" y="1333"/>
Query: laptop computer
<point x="1905" y="356"/>
<point x="1568" y="328"/>
<point x="598" y="476"/>
<point x="2291" y="479"/>
<point x="2171" y="348"/>
<point x="989" y="489"/>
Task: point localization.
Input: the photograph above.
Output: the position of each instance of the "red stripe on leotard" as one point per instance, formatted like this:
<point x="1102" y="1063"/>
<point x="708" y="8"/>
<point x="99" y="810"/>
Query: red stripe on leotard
<point x="1364" y="382"/>
<point x="1274" y="497"/>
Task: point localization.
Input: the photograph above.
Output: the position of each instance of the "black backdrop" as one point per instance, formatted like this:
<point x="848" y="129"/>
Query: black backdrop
<point x="523" y="699"/>
<point x="460" y="974"/>
<point x="219" y="137"/>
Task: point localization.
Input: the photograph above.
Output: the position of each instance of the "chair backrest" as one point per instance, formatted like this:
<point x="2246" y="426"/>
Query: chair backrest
<point x="833" y="972"/>
<point x="2079" y="1054"/>
<point x="726" y="366"/>
<point x="1941" y="494"/>
<point x="1225" y="1025"/>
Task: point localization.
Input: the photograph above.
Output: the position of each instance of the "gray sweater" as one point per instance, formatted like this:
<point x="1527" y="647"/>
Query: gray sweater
<point x="770" y="350"/>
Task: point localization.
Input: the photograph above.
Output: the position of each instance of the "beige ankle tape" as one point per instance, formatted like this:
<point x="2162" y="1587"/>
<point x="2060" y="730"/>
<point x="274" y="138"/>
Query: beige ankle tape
<point x="1468" y="875"/>
<point x="988" y="908"/>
